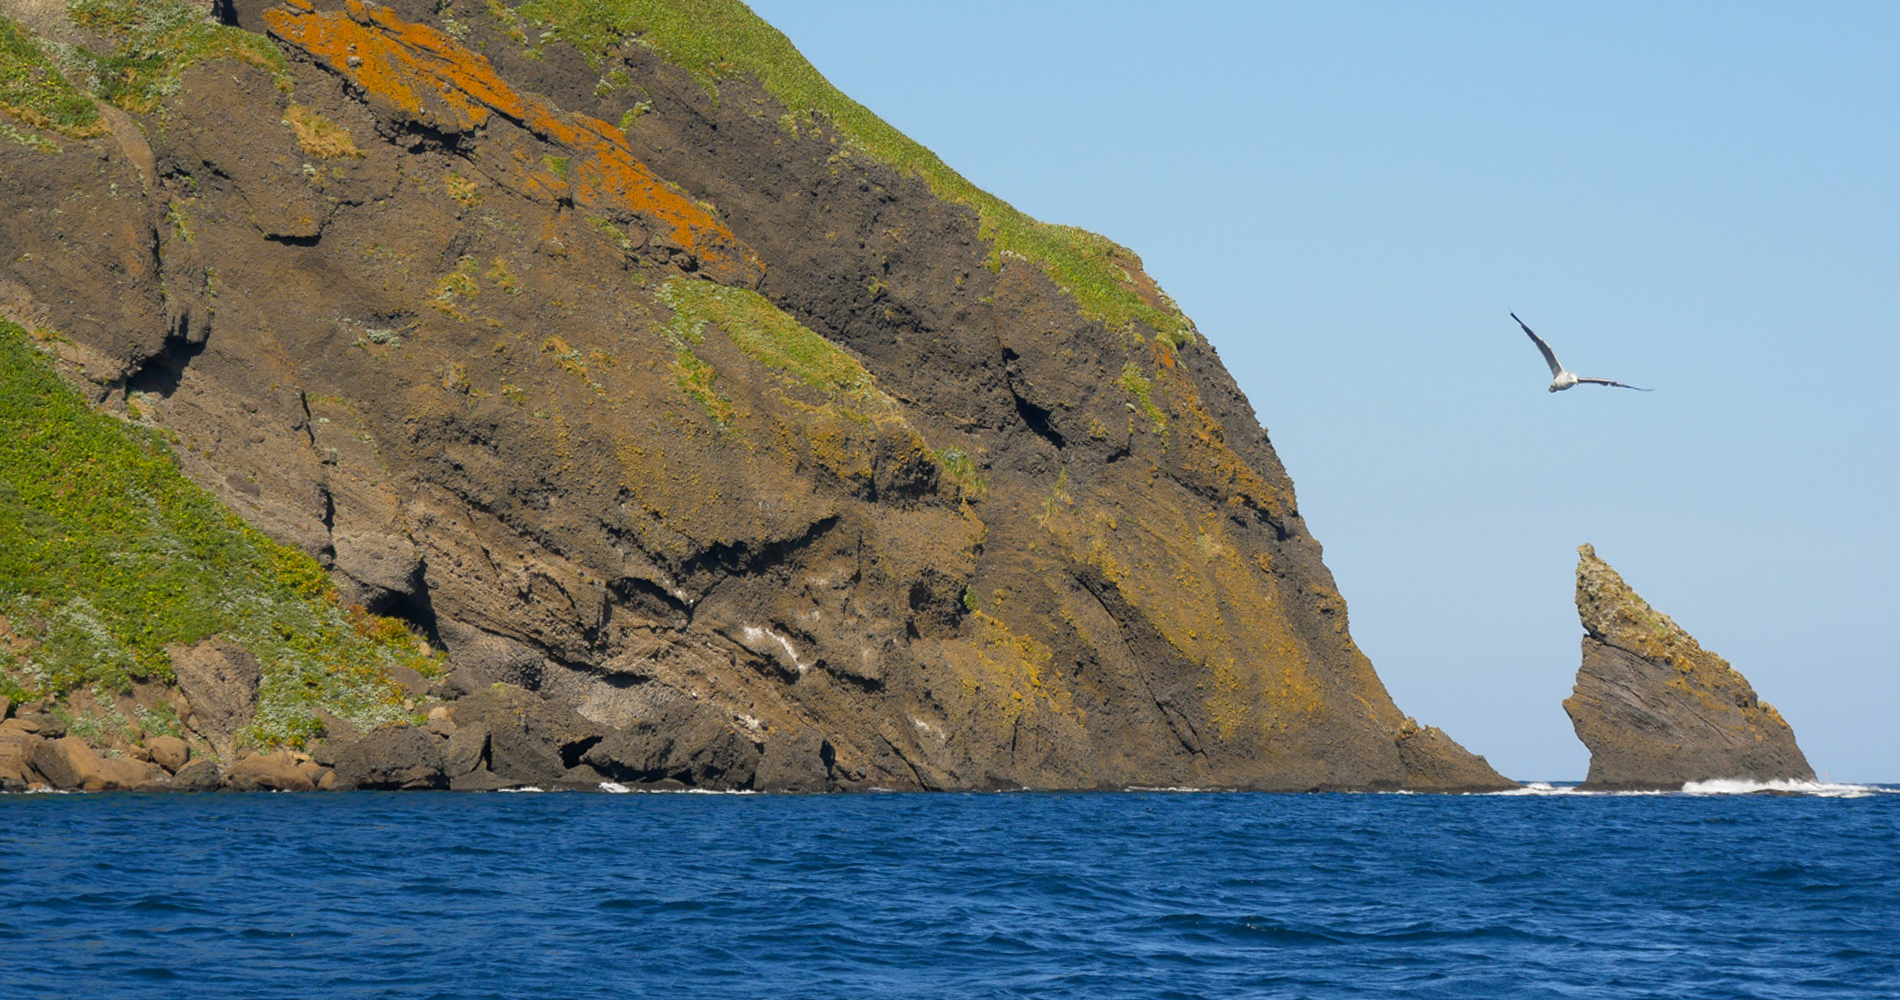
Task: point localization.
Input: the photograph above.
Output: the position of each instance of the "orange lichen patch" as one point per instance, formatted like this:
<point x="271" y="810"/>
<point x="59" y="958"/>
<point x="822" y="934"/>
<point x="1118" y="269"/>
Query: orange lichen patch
<point x="413" y="67"/>
<point x="426" y="75"/>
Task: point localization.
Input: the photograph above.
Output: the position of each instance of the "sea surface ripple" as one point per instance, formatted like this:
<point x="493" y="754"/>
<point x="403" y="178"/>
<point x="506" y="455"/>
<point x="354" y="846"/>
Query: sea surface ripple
<point x="1003" y="895"/>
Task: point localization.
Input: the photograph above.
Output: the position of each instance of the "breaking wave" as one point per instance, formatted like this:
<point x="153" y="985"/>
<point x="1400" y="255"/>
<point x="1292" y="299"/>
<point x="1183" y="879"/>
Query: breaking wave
<point x="1720" y="786"/>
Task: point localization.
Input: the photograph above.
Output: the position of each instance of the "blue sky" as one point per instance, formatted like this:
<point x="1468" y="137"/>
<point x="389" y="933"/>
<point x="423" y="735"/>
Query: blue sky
<point x="1350" y="197"/>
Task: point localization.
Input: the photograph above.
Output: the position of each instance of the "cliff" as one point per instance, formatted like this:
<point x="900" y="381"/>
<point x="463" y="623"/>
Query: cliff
<point x="1655" y="708"/>
<point x="603" y="351"/>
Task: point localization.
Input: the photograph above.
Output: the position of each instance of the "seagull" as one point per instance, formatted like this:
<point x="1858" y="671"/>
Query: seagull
<point x="1561" y="378"/>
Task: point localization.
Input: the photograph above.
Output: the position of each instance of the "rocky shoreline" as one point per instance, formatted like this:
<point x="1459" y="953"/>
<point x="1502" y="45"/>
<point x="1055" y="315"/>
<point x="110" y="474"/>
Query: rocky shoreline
<point x="499" y="737"/>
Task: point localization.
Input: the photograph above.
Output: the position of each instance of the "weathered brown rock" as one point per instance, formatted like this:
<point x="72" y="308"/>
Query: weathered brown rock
<point x="273" y="772"/>
<point x="69" y="762"/>
<point x="201" y="775"/>
<point x="16" y="755"/>
<point x="467" y="749"/>
<point x="688" y="741"/>
<point x="169" y="752"/>
<point x="531" y="740"/>
<point x="394" y="757"/>
<point x="219" y="680"/>
<point x="1655" y="708"/>
<point x="794" y="761"/>
<point x="1434" y="762"/>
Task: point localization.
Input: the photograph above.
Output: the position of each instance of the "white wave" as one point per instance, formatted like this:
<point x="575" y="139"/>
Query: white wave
<point x="616" y="788"/>
<point x="1161" y="788"/>
<point x="1546" y="788"/>
<point x="1721" y="786"/>
<point x="1742" y="786"/>
<point x="523" y="788"/>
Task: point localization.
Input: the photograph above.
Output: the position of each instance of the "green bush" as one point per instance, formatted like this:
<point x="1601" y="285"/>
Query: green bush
<point x="109" y="554"/>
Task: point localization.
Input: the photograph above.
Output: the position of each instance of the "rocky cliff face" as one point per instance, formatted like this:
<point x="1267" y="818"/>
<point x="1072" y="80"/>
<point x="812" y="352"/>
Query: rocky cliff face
<point x="1655" y="708"/>
<point x="615" y="352"/>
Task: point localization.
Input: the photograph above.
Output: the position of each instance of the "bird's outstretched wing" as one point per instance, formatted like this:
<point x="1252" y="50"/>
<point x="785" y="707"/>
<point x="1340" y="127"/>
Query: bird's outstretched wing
<point x="1605" y="381"/>
<point x="1550" y="357"/>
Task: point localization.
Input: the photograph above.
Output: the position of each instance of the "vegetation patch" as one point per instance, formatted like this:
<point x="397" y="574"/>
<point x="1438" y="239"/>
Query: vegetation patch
<point x="319" y="137"/>
<point x="34" y="91"/>
<point x="768" y="335"/>
<point x="960" y="468"/>
<point x="154" y="43"/>
<point x="109" y="555"/>
<point x="1143" y="389"/>
<point x="456" y="289"/>
<point x="712" y="39"/>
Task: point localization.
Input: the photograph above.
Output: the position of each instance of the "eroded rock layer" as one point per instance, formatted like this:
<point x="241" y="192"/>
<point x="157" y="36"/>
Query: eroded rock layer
<point x="683" y="408"/>
<point x="1655" y="708"/>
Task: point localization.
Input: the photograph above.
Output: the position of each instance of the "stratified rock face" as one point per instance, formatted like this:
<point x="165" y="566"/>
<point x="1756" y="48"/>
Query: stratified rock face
<point x="1655" y="708"/>
<point x="733" y="425"/>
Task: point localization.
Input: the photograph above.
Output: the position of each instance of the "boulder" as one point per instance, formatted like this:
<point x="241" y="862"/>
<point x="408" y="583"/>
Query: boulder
<point x="794" y="761"/>
<point x="441" y="721"/>
<point x="468" y="747"/>
<point x="1434" y="762"/>
<point x="530" y="740"/>
<point x="69" y="763"/>
<point x="1655" y="708"/>
<point x="688" y="741"/>
<point x="410" y="680"/>
<point x="201" y="775"/>
<point x="274" y="772"/>
<point x="394" y="757"/>
<point x="168" y="752"/>
<point x="219" y="679"/>
<point x="46" y="724"/>
<point x="16" y="756"/>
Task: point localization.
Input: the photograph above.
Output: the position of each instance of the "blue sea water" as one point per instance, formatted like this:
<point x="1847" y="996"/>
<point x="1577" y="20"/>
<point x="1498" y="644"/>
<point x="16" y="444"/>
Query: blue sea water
<point x="1002" y="895"/>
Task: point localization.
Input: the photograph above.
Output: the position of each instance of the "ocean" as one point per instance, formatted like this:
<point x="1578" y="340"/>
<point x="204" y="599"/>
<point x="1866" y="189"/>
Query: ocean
<point x="1548" y="893"/>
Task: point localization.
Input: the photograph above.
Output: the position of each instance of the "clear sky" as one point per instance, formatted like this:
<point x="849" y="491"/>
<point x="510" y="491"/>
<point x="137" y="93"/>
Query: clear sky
<point x="1350" y="197"/>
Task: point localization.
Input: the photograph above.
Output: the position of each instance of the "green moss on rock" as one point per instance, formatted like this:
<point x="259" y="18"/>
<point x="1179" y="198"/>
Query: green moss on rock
<point x="768" y="335"/>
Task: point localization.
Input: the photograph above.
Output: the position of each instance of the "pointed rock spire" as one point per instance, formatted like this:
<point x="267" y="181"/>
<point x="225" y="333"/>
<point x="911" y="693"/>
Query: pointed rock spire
<point x="1655" y="708"/>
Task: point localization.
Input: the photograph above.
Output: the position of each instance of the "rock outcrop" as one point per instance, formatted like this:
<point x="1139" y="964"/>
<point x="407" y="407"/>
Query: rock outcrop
<point x="743" y="441"/>
<point x="1655" y="708"/>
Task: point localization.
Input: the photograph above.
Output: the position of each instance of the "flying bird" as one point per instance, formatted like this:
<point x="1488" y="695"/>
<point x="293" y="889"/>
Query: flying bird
<point x="1560" y="377"/>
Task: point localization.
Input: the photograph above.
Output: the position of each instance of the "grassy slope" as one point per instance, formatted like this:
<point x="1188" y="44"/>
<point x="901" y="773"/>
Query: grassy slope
<point x="35" y="92"/>
<point x="720" y="38"/>
<point x="152" y="43"/>
<point x="108" y="555"/>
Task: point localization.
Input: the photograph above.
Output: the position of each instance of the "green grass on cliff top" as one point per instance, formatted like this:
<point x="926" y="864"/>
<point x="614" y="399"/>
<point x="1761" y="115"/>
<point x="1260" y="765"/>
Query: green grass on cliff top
<point x="108" y="555"/>
<point x="720" y="38"/>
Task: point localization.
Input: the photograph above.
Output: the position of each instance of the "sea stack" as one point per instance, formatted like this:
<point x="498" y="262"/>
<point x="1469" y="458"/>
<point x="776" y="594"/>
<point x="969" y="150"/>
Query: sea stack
<point x="1655" y="708"/>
